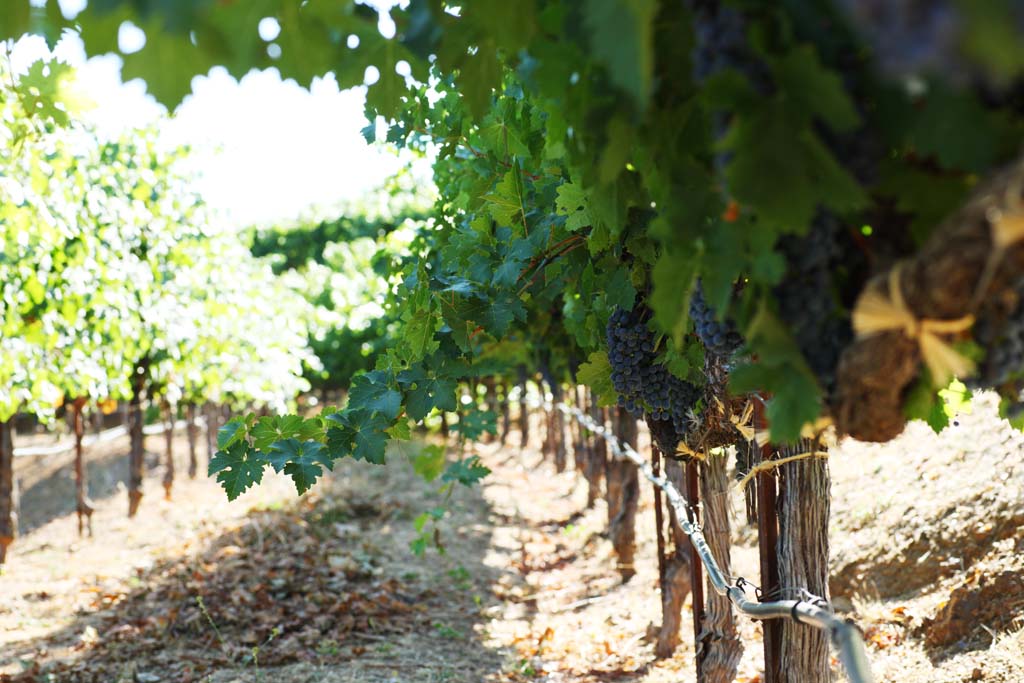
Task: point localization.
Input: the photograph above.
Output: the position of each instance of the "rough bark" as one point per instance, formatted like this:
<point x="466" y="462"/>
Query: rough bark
<point x="191" y="431"/>
<point x="623" y="498"/>
<point x="720" y="646"/>
<point x="211" y="430"/>
<point x="676" y="583"/>
<point x="556" y="425"/>
<point x="804" y="503"/>
<point x="136" y="453"/>
<point x="579" y="434"/>
<point x="168" y="480"/>
<point x="506" y="414"/>
<point x="83" y="506"/>
<point x="596" y="452"/>
<point x="490" y="403"/>
<point x="8" y="489"/>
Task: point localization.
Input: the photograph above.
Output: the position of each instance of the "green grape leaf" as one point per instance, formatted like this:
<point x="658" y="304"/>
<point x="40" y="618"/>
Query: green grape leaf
<point x="293" y="450"/>
<point x="41" y="90"/>
<point x="374" y="396"/>
<point x="401" y="430"/>
<point x="596" y="373"/>
<point x="815" y="90"/>
<point x="429" y="462"/>
<point x="430" y="393"/>
<point x="303" y="461"/>
<point x="370" y="436"/>
<point x="622" y="38"/>
<point x="231" y="433"/>
<point x="573" y="203"/>
<point x="467" y="471"/>
<point x="780" y="370"/>
<point x="235" y="469"/>
<point x="476" y="423"/>
<point x="784" y="172"/>
<point x="619" y="290"/>
<point x="269" y="429"/>
<point x="505" y="202"/>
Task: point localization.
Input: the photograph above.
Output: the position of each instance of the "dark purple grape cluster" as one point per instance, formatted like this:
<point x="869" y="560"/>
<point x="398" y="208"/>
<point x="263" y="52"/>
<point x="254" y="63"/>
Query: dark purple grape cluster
<point x="719" y="336"/>
<point x="807" y="300"/>
<point x="645" y="386"/>
<point x="721" y="43"/>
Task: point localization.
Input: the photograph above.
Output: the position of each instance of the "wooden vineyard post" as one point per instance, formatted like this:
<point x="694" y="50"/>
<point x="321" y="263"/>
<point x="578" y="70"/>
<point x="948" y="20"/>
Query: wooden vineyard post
<point x="623" y="495"/>
<point x="490" y="403"/>
<point x="677" y="571"/>
<point x="211" y="430"/>
<point x="136" y="454"/>
<point x="767" y="541"/>
<point x="719" y="645"/>
<point x="556" y="427"/>
<point x="191" y="430"/>
<point x="696" y="568"/>
<point x="83" y="506"/>
<point x="524" y="413"/>
<point x="596" y="451"/>
<point x="168" y="480"/>
<point x="8" y="489"/>
<point x="803" y="549"/>
<point x="579" y="435"/>
<point x="506" y="414"/>
<point x="659" y="516"/>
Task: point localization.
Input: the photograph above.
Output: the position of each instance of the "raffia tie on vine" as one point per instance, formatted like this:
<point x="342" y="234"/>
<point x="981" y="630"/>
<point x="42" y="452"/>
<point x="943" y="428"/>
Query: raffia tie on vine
<point x="768" y="465"/>
<point x="881" y="311"/>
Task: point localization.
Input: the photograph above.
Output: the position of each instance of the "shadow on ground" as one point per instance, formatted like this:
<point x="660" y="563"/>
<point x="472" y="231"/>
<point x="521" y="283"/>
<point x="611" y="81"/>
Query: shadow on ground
<point x="48" y="485"/>
<point x="325" y="584"/>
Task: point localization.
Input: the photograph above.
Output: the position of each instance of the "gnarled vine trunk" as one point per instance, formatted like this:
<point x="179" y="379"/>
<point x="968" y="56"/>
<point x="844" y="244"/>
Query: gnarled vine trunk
<point x="8" y="489"/>
<point x="804" y="503"/>
<point x="191" y="432"/>
<point x="83" y="506"/>
<point x="623" y="495"/>
<point x="168" y="480"/>
<point x="136" y="452"/>
<point x="556" y="430"/>
<point x="719" y="646"/>
<point x="490" y="403"/>
<point x="676" y="584"/>
<point x="506" y="414"/>
<point x="524" y="412"/>
<point x="211" y="430"/>
<point x="596" y="457"/>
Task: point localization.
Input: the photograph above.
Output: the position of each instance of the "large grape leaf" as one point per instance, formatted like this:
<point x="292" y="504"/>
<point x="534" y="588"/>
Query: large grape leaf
<point x="375" y="396"/>
<point x="596" y="373"/>
<point x="235" y="469"/>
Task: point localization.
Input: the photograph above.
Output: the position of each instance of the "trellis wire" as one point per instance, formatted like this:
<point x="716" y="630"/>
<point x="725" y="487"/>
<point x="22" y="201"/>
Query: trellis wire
<point x="811" y="609"/>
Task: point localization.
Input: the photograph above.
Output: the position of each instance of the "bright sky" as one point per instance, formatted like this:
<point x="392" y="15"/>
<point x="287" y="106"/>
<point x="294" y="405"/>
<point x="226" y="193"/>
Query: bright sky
<point x="269" y="150"/>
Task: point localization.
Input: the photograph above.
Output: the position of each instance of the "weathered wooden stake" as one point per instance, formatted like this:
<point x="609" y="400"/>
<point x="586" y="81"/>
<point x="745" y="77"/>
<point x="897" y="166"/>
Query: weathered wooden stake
<point x="83" y="506"/>
<point x="768" y="540"/>
<point x="191" y="431"/>
<point x="696" y="568"/>
<point x="8" y="489"/>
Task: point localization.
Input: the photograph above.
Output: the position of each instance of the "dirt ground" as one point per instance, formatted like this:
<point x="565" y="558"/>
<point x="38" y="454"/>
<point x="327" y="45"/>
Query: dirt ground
<point x="927" y="547"/>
